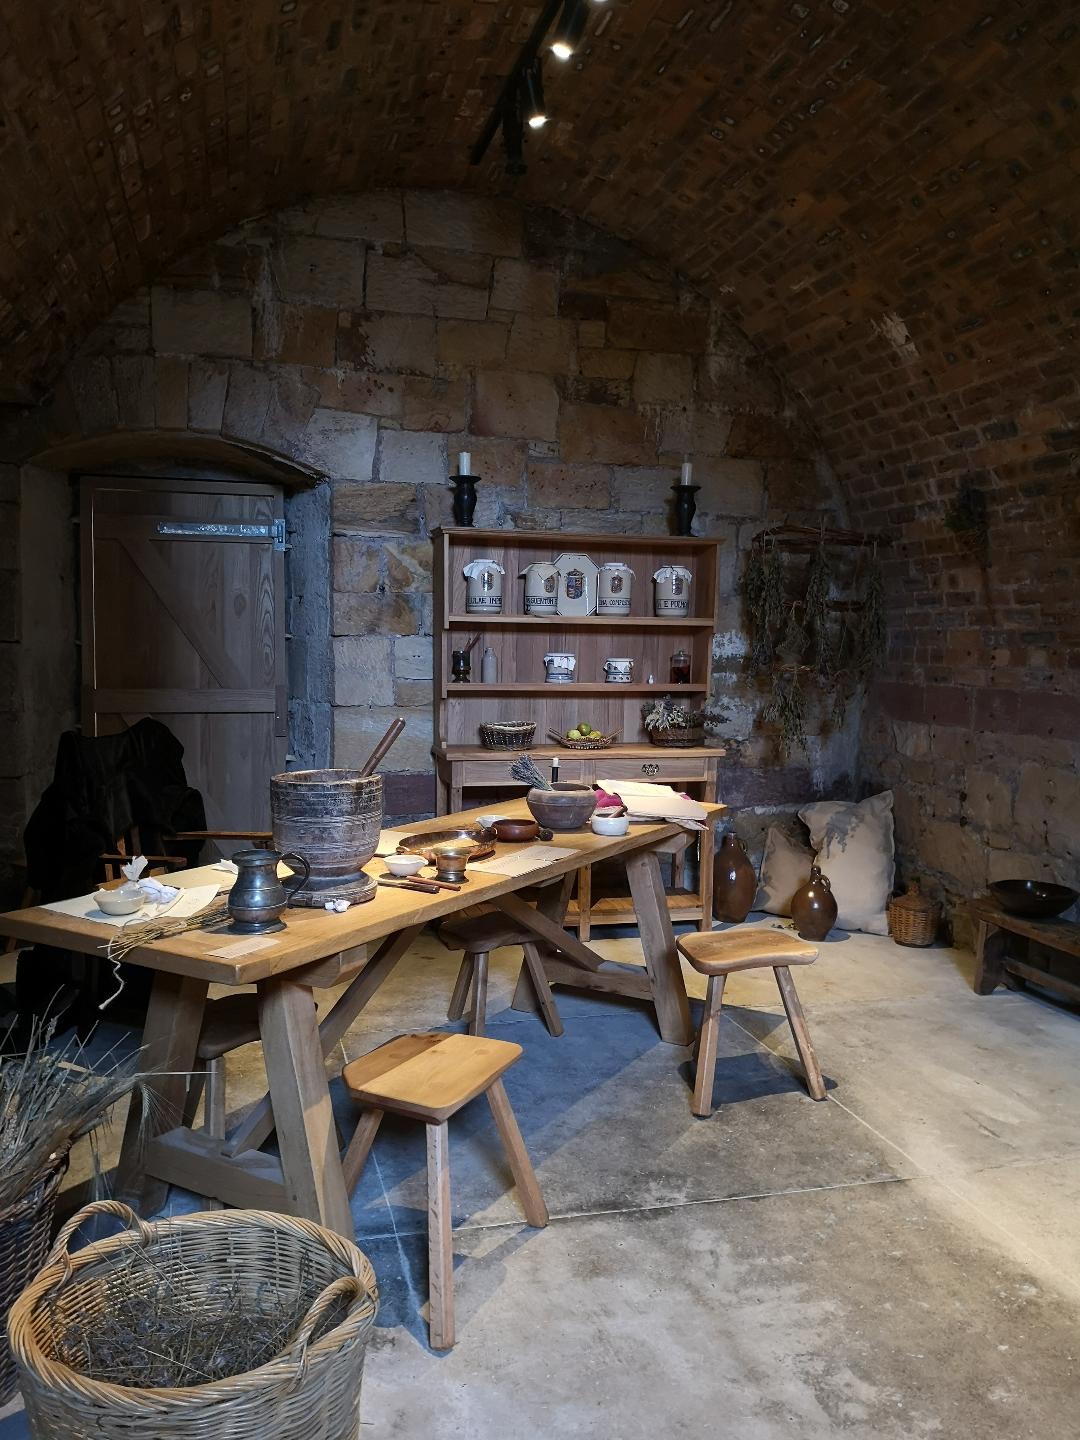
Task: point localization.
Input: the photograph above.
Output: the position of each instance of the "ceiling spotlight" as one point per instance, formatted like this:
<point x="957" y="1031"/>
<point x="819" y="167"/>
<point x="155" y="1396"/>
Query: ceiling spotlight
<point x="570" y="29"/>
<point x="532" y="100"/>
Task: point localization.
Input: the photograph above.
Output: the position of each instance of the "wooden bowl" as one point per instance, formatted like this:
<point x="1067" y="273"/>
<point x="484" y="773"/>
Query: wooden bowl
<point x="1035" y="899"/>
<point x="567" y="807"/>
<point x="516" y="830"/>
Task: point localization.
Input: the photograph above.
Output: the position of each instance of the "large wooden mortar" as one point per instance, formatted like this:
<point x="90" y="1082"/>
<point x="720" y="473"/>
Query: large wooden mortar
<point x="332" y="818"/>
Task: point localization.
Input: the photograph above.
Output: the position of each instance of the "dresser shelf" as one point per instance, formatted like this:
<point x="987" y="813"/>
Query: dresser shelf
<point x="522" y="692"/>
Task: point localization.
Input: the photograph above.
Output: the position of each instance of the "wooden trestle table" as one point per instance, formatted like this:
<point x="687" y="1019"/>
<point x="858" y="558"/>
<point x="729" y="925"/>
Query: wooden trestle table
<point x="318" y="950"/>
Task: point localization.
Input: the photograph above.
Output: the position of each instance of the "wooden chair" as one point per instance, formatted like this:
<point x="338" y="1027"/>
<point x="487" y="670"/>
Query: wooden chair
<point x="477" y="936"/>
<point x="718" y="953"/>
<point x="429" y="1077"/>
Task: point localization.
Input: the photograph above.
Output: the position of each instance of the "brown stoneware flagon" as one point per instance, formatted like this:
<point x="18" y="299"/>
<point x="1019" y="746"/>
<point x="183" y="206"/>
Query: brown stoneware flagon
<point x="813" y="906"/>
<point x="734" y="881"/>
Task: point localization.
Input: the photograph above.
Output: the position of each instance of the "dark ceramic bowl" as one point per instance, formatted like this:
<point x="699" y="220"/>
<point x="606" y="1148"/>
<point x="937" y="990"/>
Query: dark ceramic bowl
<point x="566" y="808"/>
<point x="1035" y="899"/>
<point x="516" y="830"/>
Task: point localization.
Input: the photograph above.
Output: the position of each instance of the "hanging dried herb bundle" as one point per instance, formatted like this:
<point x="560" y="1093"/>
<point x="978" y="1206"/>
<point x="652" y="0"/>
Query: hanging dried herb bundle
<point x="872" y="636"/>
<point x="794" y="640"/>
<point x="785" y="709"/>
<point x="766" y="602"/>
<point x="816" y="613"/>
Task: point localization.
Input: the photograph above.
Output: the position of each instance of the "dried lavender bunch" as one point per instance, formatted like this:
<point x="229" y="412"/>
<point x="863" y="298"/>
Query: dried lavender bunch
<point x="528" y="772"/>
<point x="155" y="1330"/>
<point x="50" y="1097"/>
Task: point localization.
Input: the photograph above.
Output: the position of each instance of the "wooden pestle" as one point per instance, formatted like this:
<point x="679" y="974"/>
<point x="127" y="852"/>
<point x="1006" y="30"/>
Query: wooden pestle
<point x="383" y="746"/>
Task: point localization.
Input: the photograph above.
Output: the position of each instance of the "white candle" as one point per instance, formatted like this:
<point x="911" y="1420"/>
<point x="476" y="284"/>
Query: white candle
<point x="687" y="470"/>
<point x="464" y="460"/>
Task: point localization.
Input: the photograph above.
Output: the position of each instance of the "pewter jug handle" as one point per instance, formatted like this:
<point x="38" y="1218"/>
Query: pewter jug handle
<point x="291" y="855"/>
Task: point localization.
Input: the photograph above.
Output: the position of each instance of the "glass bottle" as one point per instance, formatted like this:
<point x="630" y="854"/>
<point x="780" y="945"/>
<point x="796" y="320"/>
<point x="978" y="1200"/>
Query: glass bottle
<point x="680" y="668"/>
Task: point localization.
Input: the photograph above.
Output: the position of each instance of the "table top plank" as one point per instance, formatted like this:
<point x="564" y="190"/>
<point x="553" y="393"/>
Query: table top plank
<point x="314" y="935"/>
<point x="1061" y="935"/>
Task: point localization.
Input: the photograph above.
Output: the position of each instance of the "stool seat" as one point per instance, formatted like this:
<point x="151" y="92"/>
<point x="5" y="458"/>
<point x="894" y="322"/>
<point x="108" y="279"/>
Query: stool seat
<point x="713" y="952"/>
<point x="483" y="932"/>
<point x="428" y="1076"/>
<point x="227" y="1024"/>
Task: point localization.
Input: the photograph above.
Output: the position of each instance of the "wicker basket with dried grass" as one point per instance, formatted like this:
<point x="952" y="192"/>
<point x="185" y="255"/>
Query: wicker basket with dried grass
<point x="226" y="1325"/>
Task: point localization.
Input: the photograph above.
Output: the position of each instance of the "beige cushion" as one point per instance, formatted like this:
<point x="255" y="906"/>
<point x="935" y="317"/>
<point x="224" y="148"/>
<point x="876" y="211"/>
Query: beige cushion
<point x="854" y="845"/>
<point x="784" y="867"/>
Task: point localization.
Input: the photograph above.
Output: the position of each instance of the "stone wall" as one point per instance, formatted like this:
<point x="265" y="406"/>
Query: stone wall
<point x="374" y="337"/>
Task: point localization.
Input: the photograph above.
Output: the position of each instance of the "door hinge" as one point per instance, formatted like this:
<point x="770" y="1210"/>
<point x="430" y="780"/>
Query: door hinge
<point x="225" y="530"/>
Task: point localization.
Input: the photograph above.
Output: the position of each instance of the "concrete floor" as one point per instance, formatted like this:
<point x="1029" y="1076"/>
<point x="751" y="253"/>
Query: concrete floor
<point x="900" y="1261"/>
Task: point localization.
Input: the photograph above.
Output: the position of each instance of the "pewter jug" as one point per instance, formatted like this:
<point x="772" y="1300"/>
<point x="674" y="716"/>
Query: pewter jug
<point x="258" y="897"/>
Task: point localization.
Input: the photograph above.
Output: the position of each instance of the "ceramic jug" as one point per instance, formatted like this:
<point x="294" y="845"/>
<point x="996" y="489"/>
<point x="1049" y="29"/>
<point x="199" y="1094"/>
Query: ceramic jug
<point x="813" y="906"/>
<point x="560" y="668"/>
<point x="541" y="588"/>
<point x="672" y="591"/>
<point x="618" y="671"/>
<point x="484" y="591"/>
<point x="734" y="881"/>
<point x="614" y="588"/>
<point x="258" y="897"/>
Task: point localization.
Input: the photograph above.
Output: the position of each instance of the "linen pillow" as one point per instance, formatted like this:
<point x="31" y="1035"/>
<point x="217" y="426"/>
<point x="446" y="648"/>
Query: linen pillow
<point x="784" y="867"/>
<point x="854" y="845"/>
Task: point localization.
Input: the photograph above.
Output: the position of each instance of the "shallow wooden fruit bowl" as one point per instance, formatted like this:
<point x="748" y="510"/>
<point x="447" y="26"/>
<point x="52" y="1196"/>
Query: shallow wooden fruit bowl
<point x="601" y="742"/>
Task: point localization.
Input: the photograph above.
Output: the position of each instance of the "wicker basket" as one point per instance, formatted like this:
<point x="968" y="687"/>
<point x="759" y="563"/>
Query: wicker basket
<point x="600" y="742"/>
<point x="25" y="1228"/>
<point x="507" y="734"/>
<point x="681" y="737"/>
<point x="309" y="1392"/>
<point x="913" y="920"/>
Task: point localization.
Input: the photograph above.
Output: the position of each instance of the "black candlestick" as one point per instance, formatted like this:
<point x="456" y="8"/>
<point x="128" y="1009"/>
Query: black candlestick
<point x="685" y="507"/>
<point x="464" y="499"/>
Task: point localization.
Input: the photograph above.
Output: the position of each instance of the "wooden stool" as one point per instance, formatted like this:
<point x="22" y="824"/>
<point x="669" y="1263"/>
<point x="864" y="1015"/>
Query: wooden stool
<point x="478" y="936"/>
<point x="430" y="1077"/>
<point x="227" y="1024"/>
<point x="716" y="954"/>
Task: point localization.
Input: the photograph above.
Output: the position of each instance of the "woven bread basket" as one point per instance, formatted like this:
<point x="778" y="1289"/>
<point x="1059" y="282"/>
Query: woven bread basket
<point x="507" y="734"/>
<point x="310" y="1391"/>
<point x="913" y="919"/>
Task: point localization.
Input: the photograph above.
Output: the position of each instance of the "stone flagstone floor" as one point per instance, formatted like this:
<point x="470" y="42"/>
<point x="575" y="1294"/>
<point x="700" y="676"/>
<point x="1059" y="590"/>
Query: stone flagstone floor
<point x="901" y="1261"/>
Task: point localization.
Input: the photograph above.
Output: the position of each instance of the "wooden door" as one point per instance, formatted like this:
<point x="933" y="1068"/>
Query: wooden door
<point x="183" y="600"/>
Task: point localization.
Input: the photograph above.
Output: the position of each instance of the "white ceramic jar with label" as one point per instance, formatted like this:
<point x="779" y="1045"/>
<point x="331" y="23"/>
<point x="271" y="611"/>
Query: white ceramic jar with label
<point x="484" y="590"/>
<point x="560" y="667"/>
<point x="614" y="588"/>
<point x="541" y="588"/>
<point x="618" y="670"/>
<point x="672" y="599"/>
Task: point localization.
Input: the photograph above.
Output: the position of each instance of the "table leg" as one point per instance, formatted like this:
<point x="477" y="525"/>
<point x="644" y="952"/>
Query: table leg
<point x="258" y="1124"/>
<point x="990" y="943"/>
<point x="707" y="859"/>
<point x="658" y="943"/>
<point x="300" y="1097"/>
<point x="170" y="1039"/>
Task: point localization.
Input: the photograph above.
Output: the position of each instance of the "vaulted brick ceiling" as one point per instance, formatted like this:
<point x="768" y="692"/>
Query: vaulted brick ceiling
<point x="886" y="192"/>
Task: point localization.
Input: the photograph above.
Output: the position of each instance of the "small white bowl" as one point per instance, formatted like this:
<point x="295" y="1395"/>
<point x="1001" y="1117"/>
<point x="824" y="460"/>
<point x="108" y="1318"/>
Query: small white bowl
<point x="487" y="821"/>
<point x="404" y="864"/>
<point x="112" y="902"/>
<point x="610" y="824"/>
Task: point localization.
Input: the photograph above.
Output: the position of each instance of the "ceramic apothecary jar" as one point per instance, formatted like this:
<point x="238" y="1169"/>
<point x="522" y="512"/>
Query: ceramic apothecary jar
<point x="541" y="588"/>
<point x="484" y="590"/>
<point x="614" y="587"/>
<point x="672" y="599"/>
